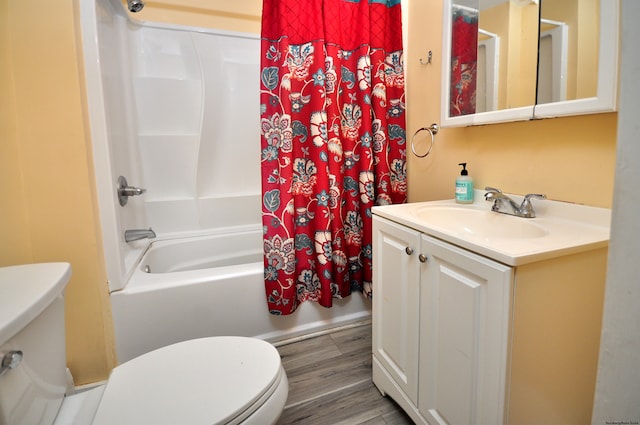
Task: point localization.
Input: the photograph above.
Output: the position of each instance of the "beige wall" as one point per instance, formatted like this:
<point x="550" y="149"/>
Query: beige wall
<point x="556" y="339"/>
<point x="570" y="159"/>
<point x="48" y="203"/>
<point x="47" y="196"/>
<point x="15" y="246"/>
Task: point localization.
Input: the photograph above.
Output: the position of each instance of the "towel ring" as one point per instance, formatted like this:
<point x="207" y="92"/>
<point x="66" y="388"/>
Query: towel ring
<point x="433" y="130"/>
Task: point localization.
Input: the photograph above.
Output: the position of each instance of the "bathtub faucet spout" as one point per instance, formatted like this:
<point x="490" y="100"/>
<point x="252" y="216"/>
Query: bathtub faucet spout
<point x="136" y="234"/>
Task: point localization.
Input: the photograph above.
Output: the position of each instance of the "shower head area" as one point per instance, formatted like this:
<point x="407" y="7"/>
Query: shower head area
<point x="181" y="111"/>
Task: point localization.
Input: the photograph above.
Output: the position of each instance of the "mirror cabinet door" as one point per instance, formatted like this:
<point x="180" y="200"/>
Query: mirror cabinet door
<point x="490" y="60"/>
<point x="578" y="64"/>
<point x="509" y="60"/>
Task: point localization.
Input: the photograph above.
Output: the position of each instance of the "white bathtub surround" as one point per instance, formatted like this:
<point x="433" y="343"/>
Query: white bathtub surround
<point x="175" y="110"/>
<point x="195" y="94"/>
<point x="171" y="110"/>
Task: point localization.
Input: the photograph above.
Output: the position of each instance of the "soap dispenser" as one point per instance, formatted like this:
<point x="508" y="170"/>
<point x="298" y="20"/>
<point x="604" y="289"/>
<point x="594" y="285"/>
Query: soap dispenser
<point x="464" y="186"/>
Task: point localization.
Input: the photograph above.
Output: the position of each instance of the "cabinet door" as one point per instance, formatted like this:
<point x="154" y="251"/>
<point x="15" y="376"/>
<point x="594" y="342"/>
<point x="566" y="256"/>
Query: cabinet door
<point x="395" y="303"/>
<point x="464" y="329"/>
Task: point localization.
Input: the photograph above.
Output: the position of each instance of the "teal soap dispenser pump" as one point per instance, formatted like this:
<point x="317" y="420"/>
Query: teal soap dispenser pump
<point x="464" y="186"/>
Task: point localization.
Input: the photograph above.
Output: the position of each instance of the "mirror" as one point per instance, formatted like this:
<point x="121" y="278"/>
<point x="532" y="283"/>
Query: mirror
<point x="509" y="60"/>
<point x="493" y="55"/>
<point x="591" y="59"/>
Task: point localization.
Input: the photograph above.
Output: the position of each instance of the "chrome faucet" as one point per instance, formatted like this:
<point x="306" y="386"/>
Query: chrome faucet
<point x="523" y="210"/>
<point x="137" y="234"/>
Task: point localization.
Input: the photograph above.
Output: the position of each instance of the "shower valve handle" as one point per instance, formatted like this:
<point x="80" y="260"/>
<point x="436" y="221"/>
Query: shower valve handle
<point x="124" y="191"/>
<point x="9" y="360"/>
<point x="132" y="191"/>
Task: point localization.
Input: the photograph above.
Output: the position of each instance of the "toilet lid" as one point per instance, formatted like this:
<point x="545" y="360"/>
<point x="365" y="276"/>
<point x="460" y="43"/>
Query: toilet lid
<point x="201" y="381"/>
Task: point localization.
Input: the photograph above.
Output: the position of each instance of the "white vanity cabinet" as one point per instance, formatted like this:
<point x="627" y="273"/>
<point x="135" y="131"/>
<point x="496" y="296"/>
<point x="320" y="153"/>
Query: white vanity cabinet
<point x="440" y="327"/>
<point x="461" y="338"/>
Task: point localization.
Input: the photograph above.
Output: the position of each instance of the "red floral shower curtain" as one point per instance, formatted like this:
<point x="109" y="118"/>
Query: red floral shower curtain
<point x="333" y="142"/>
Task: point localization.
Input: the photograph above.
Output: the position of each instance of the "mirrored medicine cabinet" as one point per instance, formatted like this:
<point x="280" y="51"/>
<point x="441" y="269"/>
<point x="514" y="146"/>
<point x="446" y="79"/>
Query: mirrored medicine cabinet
<point x="510" y="60"/>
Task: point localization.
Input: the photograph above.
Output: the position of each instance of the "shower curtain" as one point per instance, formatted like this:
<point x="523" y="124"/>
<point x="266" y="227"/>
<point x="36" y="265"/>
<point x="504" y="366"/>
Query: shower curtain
<point x="333" y="143"/>
<point x="464" y="61"/>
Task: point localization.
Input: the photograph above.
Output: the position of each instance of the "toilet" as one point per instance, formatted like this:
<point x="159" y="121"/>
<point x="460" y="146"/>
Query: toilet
<point x="215" y="380"/>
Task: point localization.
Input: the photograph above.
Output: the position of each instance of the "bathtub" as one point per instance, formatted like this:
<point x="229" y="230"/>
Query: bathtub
<point x="211" y="285"/>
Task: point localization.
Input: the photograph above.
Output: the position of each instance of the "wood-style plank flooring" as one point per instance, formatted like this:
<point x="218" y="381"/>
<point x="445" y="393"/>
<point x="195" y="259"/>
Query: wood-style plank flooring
<point x="330" y="382"/>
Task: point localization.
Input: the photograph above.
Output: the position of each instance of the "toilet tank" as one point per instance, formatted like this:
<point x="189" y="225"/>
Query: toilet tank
<point x="32" y="386"/>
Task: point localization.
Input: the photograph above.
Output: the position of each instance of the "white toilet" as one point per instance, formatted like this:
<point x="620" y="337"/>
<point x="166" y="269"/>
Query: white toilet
<point x="215" y="380"/>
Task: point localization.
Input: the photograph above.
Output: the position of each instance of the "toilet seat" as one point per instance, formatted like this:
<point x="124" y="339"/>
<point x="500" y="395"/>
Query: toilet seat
<point x="202" y="381"/>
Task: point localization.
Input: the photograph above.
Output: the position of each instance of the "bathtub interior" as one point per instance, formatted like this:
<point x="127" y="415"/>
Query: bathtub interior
<point x="238" y="246"/>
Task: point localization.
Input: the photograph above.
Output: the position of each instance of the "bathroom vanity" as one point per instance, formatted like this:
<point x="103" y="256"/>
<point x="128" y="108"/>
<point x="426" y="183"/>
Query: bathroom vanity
<point x="485" y="318"/>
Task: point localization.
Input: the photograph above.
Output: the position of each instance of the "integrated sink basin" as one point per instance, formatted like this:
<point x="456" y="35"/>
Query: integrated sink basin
<point x="559" y="228"/>
<point x="480" y="223"/>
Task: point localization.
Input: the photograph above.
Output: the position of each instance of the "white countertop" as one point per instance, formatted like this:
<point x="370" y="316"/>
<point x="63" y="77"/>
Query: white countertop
<point x="564" y="228"/>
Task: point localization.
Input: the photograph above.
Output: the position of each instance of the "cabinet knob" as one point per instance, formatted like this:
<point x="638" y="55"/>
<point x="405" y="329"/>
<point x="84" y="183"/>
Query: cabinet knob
<point x="408" y="250"/>
<point x="423" y="258"/>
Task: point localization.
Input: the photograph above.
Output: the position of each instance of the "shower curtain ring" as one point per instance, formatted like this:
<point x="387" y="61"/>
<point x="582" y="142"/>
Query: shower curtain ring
<point x="433" y="130"/>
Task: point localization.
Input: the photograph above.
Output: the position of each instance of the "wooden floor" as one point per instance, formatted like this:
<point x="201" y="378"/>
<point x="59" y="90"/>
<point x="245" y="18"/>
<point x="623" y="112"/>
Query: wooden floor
<point x="330" y="382"/>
